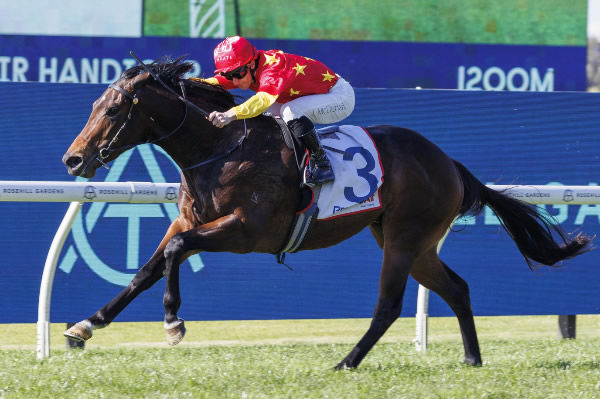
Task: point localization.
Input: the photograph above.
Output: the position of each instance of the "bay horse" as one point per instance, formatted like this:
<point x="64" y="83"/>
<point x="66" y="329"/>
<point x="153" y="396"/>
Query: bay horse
<point x="240" y="191"/>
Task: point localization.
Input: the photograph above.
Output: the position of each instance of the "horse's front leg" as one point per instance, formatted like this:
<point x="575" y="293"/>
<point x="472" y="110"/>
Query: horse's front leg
<point x="223" y="234"/>
<point x="148" y="274"/>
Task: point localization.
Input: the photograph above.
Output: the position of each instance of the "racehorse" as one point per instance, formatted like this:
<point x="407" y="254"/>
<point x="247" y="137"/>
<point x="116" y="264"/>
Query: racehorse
<point x="240" y="189"/>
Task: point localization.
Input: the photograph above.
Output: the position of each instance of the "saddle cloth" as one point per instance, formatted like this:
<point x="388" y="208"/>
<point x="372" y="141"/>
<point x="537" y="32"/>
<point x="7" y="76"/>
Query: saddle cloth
<point x="358" y="172"/>
<point x="358" y="178"/>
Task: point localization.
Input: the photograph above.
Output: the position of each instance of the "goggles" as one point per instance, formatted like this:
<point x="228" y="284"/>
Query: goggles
<point x="237" y="73"/>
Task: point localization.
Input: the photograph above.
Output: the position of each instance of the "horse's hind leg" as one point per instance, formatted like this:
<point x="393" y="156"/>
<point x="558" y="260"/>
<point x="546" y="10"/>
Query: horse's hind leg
<point x="432" y="273"/>
<point x="397" y="262"/>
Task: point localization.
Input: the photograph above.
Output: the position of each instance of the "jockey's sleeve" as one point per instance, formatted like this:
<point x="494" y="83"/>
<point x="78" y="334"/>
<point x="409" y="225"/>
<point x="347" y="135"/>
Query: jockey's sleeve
<point x="255" y="105"/>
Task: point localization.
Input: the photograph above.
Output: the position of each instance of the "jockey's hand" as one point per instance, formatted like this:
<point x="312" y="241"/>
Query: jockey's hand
<point x="220" y="119"/>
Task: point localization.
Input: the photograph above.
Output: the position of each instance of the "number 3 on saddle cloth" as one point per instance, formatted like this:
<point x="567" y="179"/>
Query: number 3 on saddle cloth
<point x="358" y="177"/>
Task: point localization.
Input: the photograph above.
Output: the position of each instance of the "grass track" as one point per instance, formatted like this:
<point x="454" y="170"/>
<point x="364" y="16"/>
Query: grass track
<point x="294" y="358"/>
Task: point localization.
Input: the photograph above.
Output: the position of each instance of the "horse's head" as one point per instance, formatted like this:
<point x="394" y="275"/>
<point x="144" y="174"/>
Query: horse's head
<point x="109" y="127"/>
<point x="134" y="110"/>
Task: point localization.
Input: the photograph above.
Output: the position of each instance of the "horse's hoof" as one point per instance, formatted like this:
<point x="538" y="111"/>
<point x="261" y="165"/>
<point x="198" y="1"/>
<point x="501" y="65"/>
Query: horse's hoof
<point x="81" y="331"/>
<point x="340" y="366"/>
<point x="344" y="366"/>
<point x="351" y="361"/>
<point x="175" y="332"/>
<point x="469" y="361"/>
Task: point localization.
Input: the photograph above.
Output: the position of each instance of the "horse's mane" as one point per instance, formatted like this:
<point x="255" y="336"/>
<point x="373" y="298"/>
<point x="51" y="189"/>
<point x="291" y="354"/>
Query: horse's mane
<point x="171" y="72"/>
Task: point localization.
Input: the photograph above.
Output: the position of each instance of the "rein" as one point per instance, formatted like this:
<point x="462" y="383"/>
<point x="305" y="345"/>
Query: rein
<point x="169" y="89"/>
<point x="106" y="151"/>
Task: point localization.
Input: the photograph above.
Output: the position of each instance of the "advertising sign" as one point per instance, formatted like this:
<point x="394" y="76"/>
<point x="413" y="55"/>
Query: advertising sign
<point x="548" y="22"/>
<point x="56" y="59"/>
<point x="502" y="137"/>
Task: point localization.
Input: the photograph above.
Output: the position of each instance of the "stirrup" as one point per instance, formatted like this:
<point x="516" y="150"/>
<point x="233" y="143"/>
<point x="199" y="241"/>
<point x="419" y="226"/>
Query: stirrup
<point x="319" y="174"/>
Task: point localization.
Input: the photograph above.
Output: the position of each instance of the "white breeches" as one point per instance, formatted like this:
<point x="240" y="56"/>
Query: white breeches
<point x="326" y="108"/>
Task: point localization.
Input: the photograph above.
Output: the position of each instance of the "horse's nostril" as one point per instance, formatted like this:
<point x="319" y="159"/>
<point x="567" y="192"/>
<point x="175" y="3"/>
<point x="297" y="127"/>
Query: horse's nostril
<point x="73" y="162"/>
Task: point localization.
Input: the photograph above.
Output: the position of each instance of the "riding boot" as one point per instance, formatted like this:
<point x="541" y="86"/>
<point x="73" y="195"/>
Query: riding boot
<point x="319" y="167"/>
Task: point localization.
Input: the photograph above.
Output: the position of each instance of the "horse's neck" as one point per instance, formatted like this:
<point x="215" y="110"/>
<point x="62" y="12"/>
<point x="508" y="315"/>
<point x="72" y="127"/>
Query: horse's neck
<point x="263" y="152"/>
<point x="199" y="143"/>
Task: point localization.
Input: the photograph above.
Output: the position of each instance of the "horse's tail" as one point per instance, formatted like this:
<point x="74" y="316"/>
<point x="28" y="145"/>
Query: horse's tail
<point x="529" y="229"/>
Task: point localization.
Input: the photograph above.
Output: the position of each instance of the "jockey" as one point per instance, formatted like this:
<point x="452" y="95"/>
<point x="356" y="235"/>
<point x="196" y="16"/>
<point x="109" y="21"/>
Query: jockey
<point x="300" y="90"/>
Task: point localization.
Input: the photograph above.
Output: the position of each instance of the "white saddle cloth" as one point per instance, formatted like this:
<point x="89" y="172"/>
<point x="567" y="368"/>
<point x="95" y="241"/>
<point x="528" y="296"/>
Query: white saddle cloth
<point x="358" y="172"/>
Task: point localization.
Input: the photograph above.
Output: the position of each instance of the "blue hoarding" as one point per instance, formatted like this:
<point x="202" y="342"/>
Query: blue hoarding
<point x="64" y="59"/>
<point x="503" y="137"/>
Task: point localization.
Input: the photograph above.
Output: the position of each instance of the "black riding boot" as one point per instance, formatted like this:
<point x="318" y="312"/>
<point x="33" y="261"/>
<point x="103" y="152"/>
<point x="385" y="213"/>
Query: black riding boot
<point x="319" y="168"/>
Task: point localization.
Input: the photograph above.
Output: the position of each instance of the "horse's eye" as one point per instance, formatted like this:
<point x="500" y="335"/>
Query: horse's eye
<point x="112" y="111"/>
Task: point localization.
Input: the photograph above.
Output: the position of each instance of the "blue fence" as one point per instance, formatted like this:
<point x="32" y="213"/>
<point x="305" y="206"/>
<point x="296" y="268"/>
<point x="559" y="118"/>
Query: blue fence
<point x="503" y="137"/>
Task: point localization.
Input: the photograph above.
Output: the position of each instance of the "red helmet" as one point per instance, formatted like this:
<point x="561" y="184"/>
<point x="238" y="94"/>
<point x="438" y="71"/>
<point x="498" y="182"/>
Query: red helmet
<point x="233" y="53"/>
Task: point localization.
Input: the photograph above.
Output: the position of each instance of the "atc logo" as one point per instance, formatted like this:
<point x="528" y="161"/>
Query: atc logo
<point x="126" y="241"/>
<point x="171" y="193"/>
<point x="89" y="193"/>
<point x="568" y="195"/>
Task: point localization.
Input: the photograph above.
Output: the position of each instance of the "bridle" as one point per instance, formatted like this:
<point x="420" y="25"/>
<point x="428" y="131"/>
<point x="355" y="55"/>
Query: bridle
<point x="106" y="151"/>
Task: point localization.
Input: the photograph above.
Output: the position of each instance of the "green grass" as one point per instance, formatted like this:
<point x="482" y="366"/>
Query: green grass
<point x="294" y="359"/>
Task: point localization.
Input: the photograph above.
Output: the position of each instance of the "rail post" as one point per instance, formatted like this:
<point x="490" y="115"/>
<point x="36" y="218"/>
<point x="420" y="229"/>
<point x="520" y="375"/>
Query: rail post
<point x="43" y="323"/>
